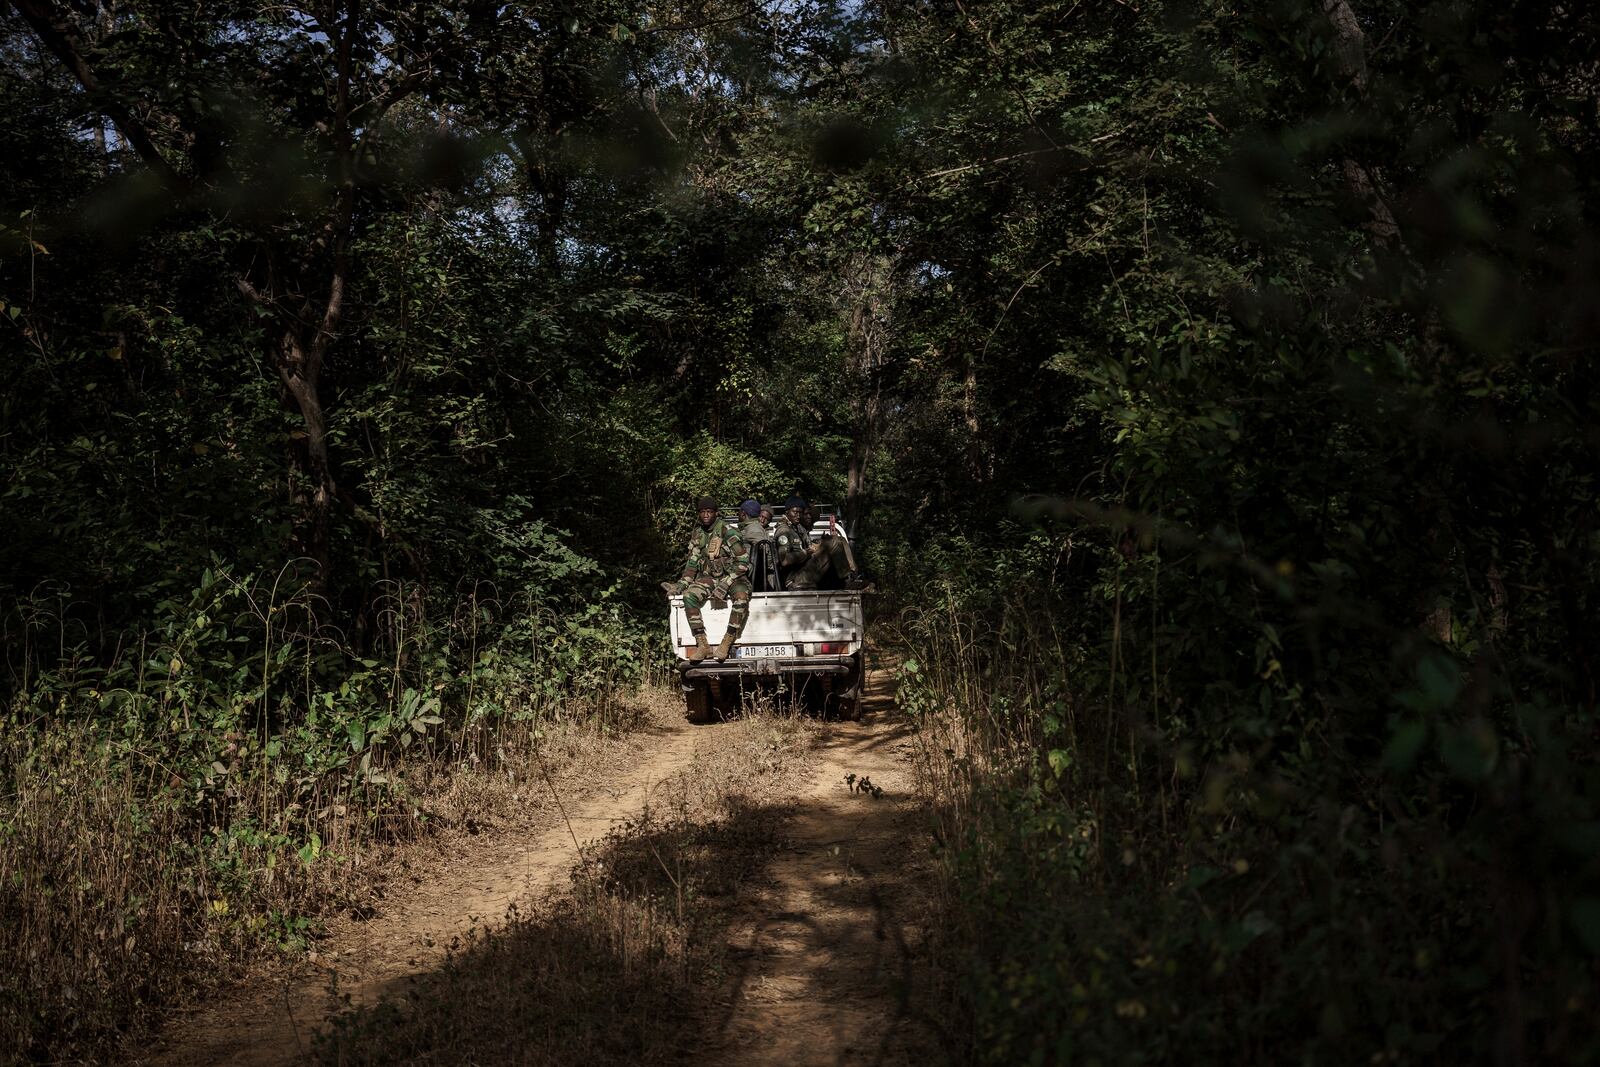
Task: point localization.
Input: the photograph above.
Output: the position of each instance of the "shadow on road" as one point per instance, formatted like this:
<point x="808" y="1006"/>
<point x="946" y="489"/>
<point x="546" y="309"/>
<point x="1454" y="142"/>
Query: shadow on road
<point x="611" y="972"/>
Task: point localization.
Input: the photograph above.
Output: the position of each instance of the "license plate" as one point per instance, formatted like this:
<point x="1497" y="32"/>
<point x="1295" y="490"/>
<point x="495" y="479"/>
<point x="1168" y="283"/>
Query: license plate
<point x="763" y="651"/>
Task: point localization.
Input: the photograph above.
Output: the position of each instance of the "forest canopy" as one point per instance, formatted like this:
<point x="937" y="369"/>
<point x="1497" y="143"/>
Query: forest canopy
<point x="1211" y="388"/>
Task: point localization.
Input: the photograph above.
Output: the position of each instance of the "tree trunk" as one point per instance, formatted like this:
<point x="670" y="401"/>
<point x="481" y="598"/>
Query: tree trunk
<point x="978" y="464"/>
<point x="855" y="482"/>
<point x="861" y="437"/>
<point x="551" y="185"/>
<point x="315" y="490"/>
<point x="867" y="302"/>
<point x="1350" y="54"/>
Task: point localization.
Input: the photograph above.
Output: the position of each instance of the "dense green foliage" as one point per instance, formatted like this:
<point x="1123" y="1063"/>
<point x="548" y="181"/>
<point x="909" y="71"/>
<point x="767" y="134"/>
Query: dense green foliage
<point x="1279" y="727"/>
<point x="1211" y="384"/>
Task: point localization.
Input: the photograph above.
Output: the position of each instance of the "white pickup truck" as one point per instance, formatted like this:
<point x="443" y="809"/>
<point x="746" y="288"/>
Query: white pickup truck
<point x="808" y="643"/>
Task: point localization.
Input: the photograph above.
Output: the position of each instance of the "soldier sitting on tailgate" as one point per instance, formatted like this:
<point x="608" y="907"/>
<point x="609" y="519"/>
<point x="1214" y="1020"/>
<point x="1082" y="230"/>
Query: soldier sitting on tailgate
<point x="718" y="568"/>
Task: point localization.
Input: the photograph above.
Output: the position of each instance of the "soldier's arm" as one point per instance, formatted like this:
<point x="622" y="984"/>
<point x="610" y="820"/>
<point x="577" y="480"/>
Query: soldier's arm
<point x="793" y="553"/>
<point x="740" y="556"/>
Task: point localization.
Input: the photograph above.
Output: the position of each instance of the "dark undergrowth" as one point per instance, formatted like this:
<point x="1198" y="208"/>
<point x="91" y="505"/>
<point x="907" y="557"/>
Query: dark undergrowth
<point x="1127" y="882"/>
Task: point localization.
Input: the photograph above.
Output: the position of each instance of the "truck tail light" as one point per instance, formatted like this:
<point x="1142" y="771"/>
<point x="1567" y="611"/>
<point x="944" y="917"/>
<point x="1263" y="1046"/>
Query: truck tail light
<point x="832" y="648"/>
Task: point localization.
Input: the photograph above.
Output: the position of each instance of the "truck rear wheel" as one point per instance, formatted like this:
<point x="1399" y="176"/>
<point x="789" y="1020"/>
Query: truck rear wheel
<point x="697" y="705"/>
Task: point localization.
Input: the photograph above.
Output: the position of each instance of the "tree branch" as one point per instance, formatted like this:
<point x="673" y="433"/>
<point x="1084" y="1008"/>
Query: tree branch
<point x="251" y="293"/>
<point x="60" y="34"/>
<point x="373" y="109"/>
<point x="337" y="230"/>
<point x="684" y="27"/>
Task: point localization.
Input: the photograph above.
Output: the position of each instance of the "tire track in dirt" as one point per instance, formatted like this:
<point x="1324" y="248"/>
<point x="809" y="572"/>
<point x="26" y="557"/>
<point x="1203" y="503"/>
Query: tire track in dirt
<point x="271" y="1025"/>
<point x="832" y="946"/>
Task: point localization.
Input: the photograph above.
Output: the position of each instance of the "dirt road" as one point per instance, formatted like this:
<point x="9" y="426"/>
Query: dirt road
<point x="270" y="1025"/>
<point x="834" y="940"/>
<point x="821" y="940"/>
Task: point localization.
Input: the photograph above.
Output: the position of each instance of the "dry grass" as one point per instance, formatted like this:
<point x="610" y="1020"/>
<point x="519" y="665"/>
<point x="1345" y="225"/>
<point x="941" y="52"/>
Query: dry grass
<point x="612" y="971"/>
<point x="974" y="693"/>
<point x="121" y="893"/>
<point x="90" y="905"/>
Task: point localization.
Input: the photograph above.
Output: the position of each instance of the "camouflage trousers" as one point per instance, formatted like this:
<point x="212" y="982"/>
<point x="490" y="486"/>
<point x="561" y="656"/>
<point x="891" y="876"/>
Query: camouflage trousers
<point x="697" y="592"/>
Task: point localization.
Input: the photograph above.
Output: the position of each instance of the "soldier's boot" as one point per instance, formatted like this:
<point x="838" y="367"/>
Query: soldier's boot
<point x="725" y="646"/>
<point x="701" y="649"/>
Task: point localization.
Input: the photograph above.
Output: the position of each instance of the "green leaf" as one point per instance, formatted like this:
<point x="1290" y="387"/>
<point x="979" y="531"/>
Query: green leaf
<point x="1401" y="752"/>
<point x="1440" y="680"/>
<point x="1236" y="937"/>
<point x="1470" y="752"/>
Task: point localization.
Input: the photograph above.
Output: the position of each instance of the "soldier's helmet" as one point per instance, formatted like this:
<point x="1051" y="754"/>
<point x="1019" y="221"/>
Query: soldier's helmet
<point x="706" y="503"/>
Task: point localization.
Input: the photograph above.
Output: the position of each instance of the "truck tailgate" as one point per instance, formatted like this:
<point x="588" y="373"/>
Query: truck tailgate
<point x="782" y="618"/>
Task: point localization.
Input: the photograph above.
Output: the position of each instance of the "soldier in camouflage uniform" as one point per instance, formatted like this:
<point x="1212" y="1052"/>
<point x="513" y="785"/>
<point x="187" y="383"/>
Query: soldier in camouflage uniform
<point x="718" y="568"/>
<point x="790" y="539"/>
<point x="807" y="564"/>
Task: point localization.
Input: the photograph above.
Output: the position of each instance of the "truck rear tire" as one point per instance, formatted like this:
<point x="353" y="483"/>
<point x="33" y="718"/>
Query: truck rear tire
<point x="697" y="705"/>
